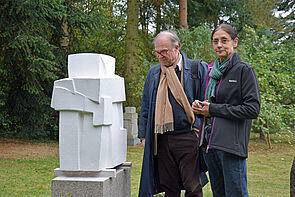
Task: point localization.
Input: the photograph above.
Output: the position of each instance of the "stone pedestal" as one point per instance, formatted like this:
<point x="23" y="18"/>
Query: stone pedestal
<point x="130" y="124"/>
<point x="104" y="183"/>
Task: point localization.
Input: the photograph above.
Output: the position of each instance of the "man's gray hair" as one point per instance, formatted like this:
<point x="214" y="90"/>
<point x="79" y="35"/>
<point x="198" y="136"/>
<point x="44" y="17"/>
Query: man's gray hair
<point x="172" y="35"/>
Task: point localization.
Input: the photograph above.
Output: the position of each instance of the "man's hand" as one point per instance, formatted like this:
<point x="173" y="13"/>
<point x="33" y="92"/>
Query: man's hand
<point x="142" y="142"/>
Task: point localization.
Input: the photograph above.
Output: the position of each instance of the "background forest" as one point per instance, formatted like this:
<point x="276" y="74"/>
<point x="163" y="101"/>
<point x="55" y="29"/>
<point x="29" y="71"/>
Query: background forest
<point x="36" y="36"/>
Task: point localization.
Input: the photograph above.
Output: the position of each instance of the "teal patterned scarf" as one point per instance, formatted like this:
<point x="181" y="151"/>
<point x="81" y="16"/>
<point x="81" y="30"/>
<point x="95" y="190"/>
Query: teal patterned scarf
<point x="215" y="74"/>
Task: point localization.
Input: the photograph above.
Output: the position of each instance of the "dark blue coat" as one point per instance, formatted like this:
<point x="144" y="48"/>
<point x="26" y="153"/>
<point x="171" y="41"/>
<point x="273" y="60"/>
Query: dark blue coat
<point x="149" y="177"/>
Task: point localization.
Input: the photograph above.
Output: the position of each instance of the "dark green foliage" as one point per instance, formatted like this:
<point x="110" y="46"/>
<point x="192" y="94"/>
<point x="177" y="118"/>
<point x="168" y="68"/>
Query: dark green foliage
<point x="196" y="43"/>
<point x="107" y="38"/>
<point x="27" y="65"/>
<point x="31" y="58"/>
<point x="273" y="63"/>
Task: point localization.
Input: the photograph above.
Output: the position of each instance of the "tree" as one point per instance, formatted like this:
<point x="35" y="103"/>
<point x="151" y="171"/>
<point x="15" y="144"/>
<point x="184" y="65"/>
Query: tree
<point x="200" y="12"/>
<point x="144" y="14"/>
<point x="196" y="43"/>
<point x="156" y="5"/>
<point x="183" y="14"/>
<point x="32" y="58"/>
<point x="273" y="65"/>
<point x="287" y="16"/>
<point x="131" y="62"/>
<point x="27" y="63"/>
<point x="107" y="36"/>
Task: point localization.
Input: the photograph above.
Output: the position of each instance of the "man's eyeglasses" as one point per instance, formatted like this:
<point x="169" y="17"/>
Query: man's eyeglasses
<point x="163" y="52"/>
<point x="223" y="41"/>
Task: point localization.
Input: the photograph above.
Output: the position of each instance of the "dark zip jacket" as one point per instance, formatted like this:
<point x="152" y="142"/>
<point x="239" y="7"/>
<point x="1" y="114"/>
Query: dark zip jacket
<point x="237" y="101"/>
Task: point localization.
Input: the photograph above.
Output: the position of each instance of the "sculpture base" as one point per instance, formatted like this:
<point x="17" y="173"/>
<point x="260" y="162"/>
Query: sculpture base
<point x="103" y="183"/>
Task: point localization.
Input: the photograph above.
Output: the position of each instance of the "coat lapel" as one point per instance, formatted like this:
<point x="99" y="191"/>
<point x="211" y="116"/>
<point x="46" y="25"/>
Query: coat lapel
<point x="186" y="71"/>
<point x="156" y="80"/>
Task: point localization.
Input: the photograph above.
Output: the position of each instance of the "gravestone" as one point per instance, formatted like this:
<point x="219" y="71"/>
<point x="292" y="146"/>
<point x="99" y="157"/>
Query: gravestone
<point x="130" y="123"/>
<point x="92" y="140"/>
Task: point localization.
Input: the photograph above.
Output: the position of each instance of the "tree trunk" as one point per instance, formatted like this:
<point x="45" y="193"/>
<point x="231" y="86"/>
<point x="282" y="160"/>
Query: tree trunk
<point x="158" y="18"/>
<point x="183" y="14"/>
<point x="158" y="21"/>
<point x="64" y="41"/>
<point x="261" y="134"/>
<point x="131" y="65"/>
<point x="292" y="180"/>
<point x="143" y="20"/>
<point x="268" y="135"/>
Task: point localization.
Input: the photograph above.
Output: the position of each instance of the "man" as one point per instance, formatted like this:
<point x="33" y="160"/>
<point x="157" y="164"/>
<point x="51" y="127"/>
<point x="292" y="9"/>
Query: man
<point x="168" y="128"/>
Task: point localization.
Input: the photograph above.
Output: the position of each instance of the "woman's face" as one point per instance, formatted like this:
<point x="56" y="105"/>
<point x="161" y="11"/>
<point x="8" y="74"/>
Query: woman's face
<point x="223" y="44"/>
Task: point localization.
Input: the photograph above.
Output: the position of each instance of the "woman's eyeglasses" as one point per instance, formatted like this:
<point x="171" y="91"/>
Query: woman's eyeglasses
<point x="222" y="41"/>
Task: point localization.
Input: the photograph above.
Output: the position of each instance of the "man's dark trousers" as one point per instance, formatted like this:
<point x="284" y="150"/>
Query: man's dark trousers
<point x="178" y="164"/>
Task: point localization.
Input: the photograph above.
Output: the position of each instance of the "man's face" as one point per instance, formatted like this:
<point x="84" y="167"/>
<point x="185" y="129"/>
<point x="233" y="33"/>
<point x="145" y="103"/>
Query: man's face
<point x="164" y="51"/>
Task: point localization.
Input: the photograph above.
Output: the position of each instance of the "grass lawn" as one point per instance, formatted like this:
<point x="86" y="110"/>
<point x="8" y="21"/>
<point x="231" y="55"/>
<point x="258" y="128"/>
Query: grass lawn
<point x="27" y="168"/>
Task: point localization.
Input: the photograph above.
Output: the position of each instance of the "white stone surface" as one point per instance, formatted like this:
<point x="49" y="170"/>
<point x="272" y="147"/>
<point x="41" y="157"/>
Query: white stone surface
<point x="91" y="133"/>
<point x="94" y="88"/>
<point x="86" y="65"/>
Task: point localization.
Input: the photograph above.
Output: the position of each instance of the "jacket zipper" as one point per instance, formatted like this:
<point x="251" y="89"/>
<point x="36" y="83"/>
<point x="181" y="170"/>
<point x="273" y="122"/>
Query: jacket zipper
<point x="203" y="119"/>
<point x="213" y="118"/>
<point x="208" y="146"/>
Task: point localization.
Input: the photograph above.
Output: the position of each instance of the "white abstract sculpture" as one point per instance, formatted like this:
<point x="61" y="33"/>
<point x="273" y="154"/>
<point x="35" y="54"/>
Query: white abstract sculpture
<point x="91" y="133"/>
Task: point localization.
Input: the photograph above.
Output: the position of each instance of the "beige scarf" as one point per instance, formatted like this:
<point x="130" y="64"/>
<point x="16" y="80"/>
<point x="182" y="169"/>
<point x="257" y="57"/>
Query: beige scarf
<point x="163" y="112"/>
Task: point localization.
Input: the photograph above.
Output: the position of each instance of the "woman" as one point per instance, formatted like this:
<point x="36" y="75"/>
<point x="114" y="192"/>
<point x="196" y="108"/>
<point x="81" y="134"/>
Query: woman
<point x="232" y="100"/>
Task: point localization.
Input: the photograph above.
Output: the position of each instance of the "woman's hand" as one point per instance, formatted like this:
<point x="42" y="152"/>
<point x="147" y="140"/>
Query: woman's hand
<point x="201" y="107"/>
<point x="205" y="108"/>
<point x="197" y="107"/>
